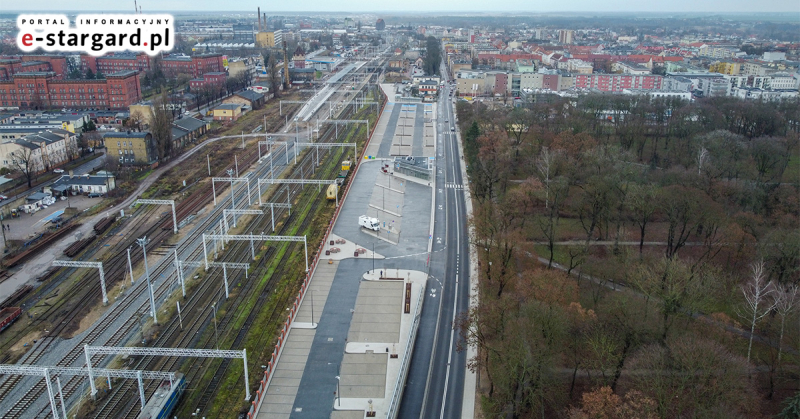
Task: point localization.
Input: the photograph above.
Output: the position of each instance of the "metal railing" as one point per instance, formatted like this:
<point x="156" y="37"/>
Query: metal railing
<point x="409" y="170"/>
<point x="401" y="375"/>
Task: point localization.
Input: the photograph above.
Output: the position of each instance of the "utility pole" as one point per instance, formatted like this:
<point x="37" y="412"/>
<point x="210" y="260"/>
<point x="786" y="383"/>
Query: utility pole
<point x="130" y="268"/>
<point x="216" y="336"/>
<point x="233" y="203"/>
<point x="4" y="230"/>
<point x="143" y="242"/>
<point x="208" y="161"/>
<point x="296" y="136"/>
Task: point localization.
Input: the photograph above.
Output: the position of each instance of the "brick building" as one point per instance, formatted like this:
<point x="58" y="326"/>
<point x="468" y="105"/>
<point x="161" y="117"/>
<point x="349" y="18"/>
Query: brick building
<point x="194" y="66"/>
<point x="617" y="82"/>
<point x="11" y="65"/>
<point x="113" y="63"/>
<point x="216" y="79"/>
<point x="42" y="90"/>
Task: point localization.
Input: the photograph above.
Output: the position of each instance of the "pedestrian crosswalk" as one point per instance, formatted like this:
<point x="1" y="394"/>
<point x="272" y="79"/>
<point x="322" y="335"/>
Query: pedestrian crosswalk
<point x="453" y="185"/>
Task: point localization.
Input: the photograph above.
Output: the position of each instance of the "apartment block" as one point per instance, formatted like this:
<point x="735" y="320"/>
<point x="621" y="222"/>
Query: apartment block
<point x="617" y="82"/>
<point x="269" y="39"/>
<point x="130" y="147"/>
<point x="566" y="36"/>
<point x="43" y="150"/>
<point x="718" y="52"/>
<point x="729" y="68"/>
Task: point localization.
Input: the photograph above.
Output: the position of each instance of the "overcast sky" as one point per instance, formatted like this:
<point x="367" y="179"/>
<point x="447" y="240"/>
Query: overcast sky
<point x="455" y="6"/>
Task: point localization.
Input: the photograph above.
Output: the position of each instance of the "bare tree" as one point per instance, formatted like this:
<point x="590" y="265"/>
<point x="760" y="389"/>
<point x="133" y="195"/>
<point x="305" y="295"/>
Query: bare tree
<point x="642" y="204"/>
<point x="758" y="293"/>
<point x="702" y="158"/>
<point x="548" y="220"/>
<point x="785" y="304"/>
<point x="161" y="127"/>
<point x="273" y="76"/>
<point x="24" y="161"/>
<point x="517" y="125"/>
<point x="545" y="163"/>
<point x="136" y="120"/>
<point x="72" y="148"/>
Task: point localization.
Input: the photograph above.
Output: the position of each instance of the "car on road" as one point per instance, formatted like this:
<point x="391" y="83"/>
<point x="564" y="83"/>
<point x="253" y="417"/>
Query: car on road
<point x="3" y="197"/>
<point x="58" y="171"/>
<point x="452" y="129"/>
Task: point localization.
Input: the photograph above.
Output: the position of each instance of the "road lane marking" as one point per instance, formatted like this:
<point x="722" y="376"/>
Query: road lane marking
<point x="449" y="354"/>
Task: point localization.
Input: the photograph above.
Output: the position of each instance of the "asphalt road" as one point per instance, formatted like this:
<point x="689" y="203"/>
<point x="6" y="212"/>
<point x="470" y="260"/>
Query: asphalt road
<point x="435" y="384"/>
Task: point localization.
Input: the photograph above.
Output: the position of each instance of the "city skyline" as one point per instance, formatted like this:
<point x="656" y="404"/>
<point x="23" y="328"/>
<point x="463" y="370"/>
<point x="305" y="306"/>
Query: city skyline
<point x="452" y="6"/>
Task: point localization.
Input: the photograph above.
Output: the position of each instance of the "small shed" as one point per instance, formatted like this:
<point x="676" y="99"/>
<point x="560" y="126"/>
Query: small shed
<point x="33" y="202"/>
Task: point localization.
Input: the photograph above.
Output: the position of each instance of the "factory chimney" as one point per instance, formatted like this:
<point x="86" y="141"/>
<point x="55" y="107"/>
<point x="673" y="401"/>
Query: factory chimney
<point x="259" y="19"/>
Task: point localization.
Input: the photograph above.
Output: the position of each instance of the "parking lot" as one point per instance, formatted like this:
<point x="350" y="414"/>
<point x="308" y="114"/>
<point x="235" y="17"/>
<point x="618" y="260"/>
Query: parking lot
<point x="28" y="226"/>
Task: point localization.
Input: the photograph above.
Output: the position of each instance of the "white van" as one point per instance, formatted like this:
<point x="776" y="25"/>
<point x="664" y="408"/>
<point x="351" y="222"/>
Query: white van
<point x="370" y="223"/>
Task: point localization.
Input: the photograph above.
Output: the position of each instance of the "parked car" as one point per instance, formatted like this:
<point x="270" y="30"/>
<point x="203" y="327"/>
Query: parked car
<point x="95" y="195"/>
<point x="58" y="171"/>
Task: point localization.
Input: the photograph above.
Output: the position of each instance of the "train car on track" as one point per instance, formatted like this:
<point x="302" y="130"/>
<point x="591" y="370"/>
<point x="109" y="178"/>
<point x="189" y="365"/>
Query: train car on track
<point x="333" y="190"/>
<point x="164" y="399"/>
<point x="342" y="177"/>
<point x="8" y="315"/>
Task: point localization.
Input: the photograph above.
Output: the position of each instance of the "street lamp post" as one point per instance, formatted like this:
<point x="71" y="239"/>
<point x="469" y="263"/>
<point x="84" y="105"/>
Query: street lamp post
<point x="296" y="136"/>
<point x="143" y="242"/>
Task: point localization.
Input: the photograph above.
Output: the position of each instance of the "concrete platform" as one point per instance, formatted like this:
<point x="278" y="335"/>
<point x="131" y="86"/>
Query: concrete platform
<point x="377" y="313"/>
<point x="285" y="382"/>
<point x="377" y="340"/>
<point x="358" y="321"/>
<point x="363" y="375"/>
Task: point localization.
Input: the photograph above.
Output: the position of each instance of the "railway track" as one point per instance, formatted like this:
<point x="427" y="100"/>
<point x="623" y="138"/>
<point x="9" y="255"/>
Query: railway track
<point x="240" y="252"/>
<point x="73" y="383"/>
<point x="187" y="207"/>
<point x="116" y="271"/>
